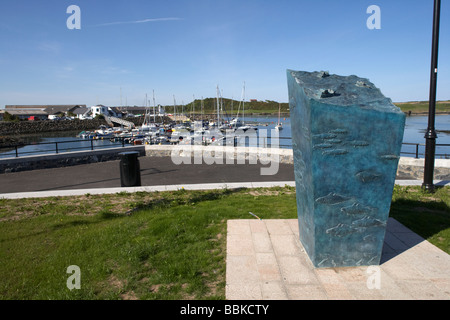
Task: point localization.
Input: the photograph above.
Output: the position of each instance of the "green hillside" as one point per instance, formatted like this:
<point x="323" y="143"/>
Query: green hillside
<point x="231" y="107"/>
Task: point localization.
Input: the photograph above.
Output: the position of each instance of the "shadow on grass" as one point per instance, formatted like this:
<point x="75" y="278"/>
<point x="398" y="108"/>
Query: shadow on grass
<point x="69" y="224"/>
<point x="102" y="216"/>
<point x="183" y="197"/>
<point x="426" y="217"/>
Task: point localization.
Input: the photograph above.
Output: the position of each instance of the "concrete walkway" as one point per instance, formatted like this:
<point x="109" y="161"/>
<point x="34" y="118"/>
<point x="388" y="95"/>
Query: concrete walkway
<point x="266" y="261"/>
<point x="155" y="171"/>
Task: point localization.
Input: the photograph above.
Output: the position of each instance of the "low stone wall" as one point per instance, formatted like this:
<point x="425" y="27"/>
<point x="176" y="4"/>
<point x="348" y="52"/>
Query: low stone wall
<point x="408" y="168"/>
<point x="218" y="152"/>
<point x="412" y="168"/>
<point x="30" y="127"/>
<point x="64" y="159"/>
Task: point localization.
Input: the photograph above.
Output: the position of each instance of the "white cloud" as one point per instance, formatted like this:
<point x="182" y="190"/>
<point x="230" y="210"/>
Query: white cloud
<point x="50" y="47"/>
<point x="114" y="70"/>
<point x="137" y="21"/>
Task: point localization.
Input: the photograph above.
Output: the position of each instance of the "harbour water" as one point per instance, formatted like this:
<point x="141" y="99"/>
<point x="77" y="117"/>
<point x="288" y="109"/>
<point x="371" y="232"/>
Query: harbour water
<point x="414" y="133"/>
<point x="415" y="128"/>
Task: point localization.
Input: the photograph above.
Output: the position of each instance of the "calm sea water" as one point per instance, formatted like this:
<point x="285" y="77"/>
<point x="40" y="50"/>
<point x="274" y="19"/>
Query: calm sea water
<point x="415" y="128"/>
<point x="414" y="133"/>
<point x="66" y="142"/>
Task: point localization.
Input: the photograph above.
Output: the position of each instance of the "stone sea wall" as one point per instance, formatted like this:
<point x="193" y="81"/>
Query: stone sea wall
<point x="64" y="159"/>
<point x="8" y="128"/>
<point x="411" y="168"/>
<point x="10" y="141"/>
<point x="32" y="127"/>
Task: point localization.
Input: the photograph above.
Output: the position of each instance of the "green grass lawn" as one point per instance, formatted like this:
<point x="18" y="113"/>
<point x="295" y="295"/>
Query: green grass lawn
<point x="162" y="245"/>
<point x="426" y="214"/>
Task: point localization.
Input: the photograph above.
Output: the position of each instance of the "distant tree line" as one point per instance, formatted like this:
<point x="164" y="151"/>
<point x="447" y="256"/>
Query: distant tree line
<point x="9" y="117"/>
<point x="228" y="106"/>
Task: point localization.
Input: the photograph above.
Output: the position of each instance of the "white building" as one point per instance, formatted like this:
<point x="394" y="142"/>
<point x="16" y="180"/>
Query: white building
<point x="83" y="113"/>
<point x="99" y="110"/>
<point x="161" y="111"/>
<point x="105" y="111"/>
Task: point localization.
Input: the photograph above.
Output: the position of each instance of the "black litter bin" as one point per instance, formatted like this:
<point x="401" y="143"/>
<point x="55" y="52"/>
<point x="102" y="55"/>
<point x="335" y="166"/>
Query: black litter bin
<point x="130" y="170"/>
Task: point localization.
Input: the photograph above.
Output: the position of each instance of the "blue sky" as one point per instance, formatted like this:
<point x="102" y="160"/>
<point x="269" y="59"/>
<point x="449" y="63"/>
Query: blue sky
<point x="186" y="48"/>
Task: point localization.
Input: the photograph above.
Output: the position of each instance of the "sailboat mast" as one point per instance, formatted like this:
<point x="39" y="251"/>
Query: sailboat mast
<point x="279" y="110"/>
<point x="201" y="112"/>
<point x="146" y="111"/>
<point x="174" y="109"/>
<point x="218" y="116"/>
<point x="221" y="105"/>
<point x="243" y="105"/>
<point x="193" y="106"/>
<point x="154" y="107"/>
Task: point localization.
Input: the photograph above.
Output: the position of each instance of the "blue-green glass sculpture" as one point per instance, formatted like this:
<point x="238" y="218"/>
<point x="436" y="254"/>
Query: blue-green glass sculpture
<point x="346" y="141"/>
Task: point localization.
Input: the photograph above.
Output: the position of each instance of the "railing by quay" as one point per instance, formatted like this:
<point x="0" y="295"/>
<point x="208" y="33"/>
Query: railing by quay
<point x="417" y="153"/>
<point x="89" y="144"/>
<point x="416" y="147"/>
<point x="14" y="151"/>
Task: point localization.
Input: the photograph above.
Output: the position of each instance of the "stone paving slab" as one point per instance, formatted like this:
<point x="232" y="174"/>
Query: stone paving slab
<point x="266" y="261"/>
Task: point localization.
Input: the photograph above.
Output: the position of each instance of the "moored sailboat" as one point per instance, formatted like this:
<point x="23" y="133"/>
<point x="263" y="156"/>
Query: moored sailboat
<point x="279" y="125"/>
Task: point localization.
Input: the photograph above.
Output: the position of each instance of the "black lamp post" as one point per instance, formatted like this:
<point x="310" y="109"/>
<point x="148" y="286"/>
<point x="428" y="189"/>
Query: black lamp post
<point x="430" y="136"/>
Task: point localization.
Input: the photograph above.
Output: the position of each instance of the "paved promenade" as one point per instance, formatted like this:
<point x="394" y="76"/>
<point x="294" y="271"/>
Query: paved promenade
<point x="155" y="171"/>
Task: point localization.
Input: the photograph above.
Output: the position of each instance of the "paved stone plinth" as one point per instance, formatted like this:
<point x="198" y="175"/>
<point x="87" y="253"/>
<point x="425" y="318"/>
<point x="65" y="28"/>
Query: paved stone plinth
<point x="266" y="261"/>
